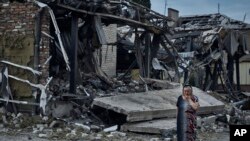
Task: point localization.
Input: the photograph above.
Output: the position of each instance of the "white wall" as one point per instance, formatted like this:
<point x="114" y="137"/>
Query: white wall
<point x="244" y="73"/>
<point x="109" y="52"/>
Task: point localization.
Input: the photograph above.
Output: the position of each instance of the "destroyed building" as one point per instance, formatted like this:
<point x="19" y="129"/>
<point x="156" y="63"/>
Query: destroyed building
<point x="19" y="52"/>
<point x="213" y="45"/>
<point x="70" y="44"/>
<point x="64" y="54"/>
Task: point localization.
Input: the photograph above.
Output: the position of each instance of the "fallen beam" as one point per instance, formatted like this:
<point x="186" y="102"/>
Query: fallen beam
<point x="114" y="17"/>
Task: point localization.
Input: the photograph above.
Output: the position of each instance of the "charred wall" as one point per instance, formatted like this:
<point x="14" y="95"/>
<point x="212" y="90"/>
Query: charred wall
<point x="17" y="42"/>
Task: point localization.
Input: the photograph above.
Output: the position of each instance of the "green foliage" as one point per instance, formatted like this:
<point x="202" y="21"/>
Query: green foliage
<point x="145" y="3"/>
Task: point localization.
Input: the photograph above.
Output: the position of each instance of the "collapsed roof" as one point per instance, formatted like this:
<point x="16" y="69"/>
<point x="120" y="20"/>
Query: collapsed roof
<point x="211" y="41"/>
<point x="209" y="21"/>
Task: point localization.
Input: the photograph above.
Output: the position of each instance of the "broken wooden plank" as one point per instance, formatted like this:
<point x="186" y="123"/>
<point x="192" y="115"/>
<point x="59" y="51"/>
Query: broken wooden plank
<point x="151" y="27"/>
<point x="155" y="104"/>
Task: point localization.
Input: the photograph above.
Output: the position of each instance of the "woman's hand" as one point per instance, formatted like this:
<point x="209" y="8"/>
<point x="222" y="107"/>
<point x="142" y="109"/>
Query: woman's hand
<point x="194" y="105"/>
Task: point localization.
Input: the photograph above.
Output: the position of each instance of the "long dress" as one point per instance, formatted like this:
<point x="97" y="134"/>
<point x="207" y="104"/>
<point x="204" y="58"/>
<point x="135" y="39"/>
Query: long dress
<point x="186" y="120"/>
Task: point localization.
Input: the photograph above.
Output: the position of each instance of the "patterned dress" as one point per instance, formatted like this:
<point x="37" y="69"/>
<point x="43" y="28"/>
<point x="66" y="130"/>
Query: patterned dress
<point x="186" y="120"/>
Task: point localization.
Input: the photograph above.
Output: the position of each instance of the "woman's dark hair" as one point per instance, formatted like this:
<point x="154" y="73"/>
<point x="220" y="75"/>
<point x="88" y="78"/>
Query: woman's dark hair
<point x="188" y="86"/>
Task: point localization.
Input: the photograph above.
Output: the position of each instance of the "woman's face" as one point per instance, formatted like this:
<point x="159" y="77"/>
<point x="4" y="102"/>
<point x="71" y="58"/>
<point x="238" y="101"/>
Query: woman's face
<point x="187" y="92"/>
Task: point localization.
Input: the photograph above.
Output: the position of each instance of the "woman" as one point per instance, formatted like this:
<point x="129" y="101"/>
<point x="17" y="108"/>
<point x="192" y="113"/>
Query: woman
<point x="187" y="105"/>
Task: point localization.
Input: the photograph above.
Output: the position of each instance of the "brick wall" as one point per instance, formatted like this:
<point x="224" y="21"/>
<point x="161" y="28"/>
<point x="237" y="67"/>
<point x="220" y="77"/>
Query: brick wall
<point x="17" y="39"/>
<point x="109" y="52"/>
<point x="44" y="45"/>
<point x="17" y="18"/>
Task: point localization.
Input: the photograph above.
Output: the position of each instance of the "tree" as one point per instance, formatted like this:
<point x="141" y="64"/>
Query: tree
<point x="145" y="3"/>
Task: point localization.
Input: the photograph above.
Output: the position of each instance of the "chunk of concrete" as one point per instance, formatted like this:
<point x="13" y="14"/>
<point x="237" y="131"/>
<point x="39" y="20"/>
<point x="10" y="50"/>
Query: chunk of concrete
<point x="209" y="120"/>
<point x="153" y="127"/>
<point x="155" y="104"/>
<point x="61" y="109"/>
<point x="111" y="129"/>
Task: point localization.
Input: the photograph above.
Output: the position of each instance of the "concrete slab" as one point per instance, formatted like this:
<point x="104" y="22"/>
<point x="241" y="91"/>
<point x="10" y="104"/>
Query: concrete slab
<point x="153" y="127"/>
<point x="162" y="126"/>
<point x="155" y="104"/>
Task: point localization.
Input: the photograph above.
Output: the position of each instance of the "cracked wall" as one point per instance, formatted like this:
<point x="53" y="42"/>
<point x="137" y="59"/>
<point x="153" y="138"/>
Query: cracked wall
<point x="17" y="39"/>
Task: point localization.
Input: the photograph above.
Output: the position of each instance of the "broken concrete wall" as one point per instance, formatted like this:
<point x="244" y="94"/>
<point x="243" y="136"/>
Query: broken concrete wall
<point x="109" y="52"/>
<point x="155" y="104"/>
<point x="17" y="29"/>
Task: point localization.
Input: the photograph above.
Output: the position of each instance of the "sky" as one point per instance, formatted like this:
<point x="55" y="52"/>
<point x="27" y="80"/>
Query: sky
<point x="235" y="9"/>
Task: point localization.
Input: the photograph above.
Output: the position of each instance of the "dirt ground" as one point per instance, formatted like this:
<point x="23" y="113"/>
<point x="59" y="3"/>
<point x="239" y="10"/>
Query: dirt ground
<point x="213" y="136"/>
<point x="202" y="136"/>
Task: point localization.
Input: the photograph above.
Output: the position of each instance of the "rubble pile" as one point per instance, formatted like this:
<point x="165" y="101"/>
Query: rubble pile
<point x="68" y="82"/>
<point x="60" y="129"/>
<point x="56" y="128"/>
